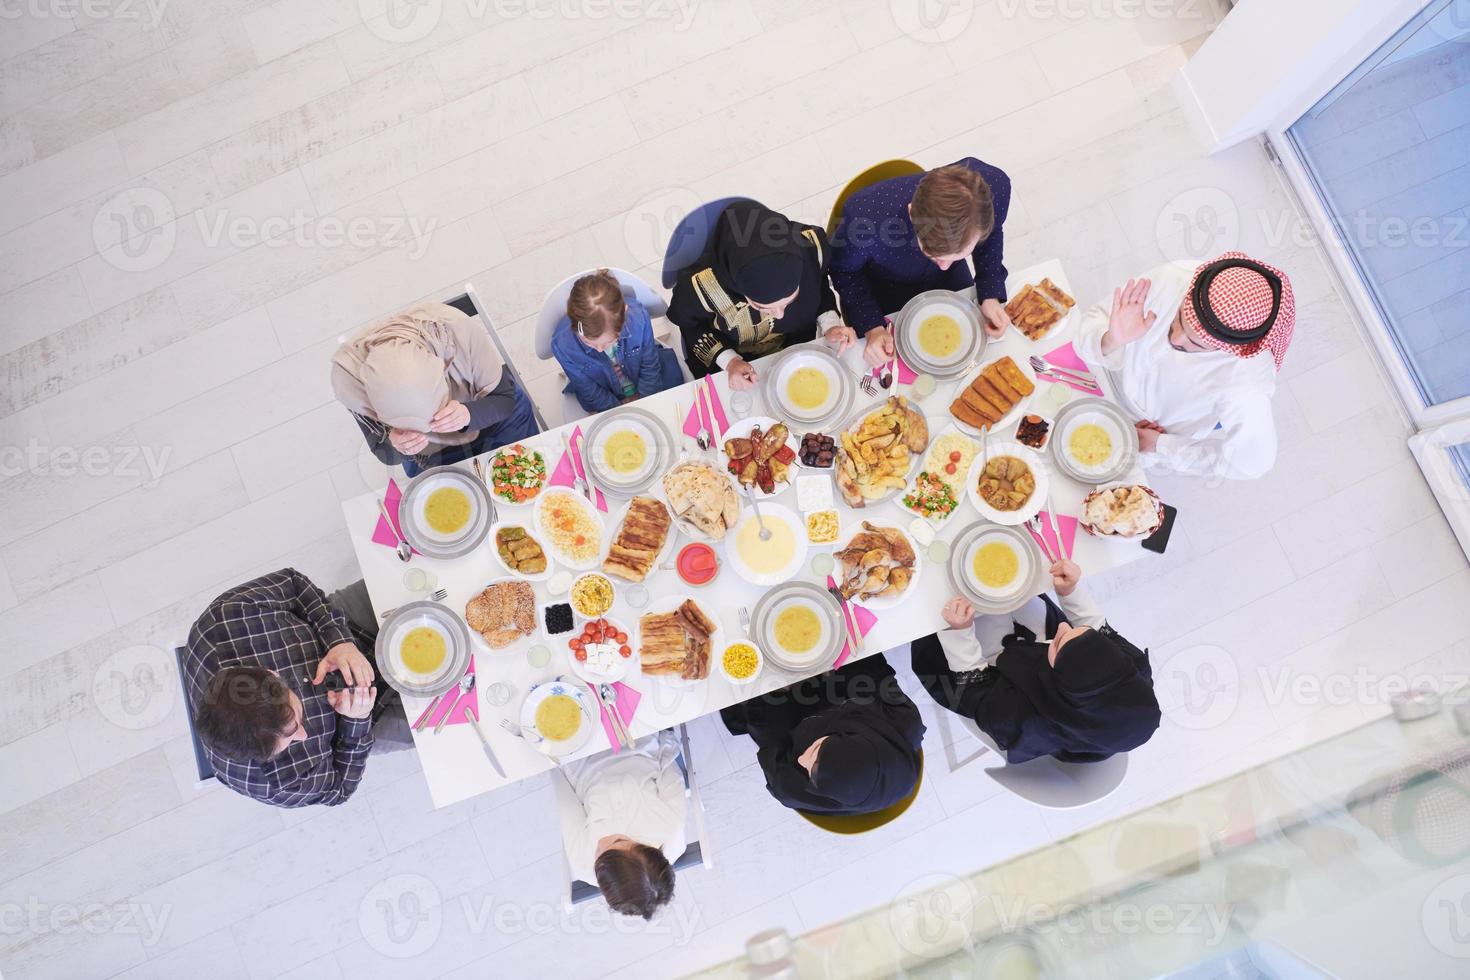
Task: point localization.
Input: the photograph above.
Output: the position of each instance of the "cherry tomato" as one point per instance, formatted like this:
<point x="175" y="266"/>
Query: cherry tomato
<point x="954" y="457"/>
<point x="949" y="468"/>
<point x="625" y="651"/>
<point x="581" y="656"/>
<point x="621" y="637"/>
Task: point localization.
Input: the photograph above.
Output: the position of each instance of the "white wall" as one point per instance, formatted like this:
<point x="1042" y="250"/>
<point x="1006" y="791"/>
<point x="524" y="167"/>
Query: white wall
<point x="1270" y="60"/>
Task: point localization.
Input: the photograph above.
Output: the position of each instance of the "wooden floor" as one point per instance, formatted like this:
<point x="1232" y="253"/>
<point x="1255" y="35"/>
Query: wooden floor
<point x="197" y="204"/>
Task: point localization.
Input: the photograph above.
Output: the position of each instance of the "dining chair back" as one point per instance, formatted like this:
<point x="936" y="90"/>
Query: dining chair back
<point x="696" y="851"/>
<point x="690" y="237"/>
<point x="861" y="823"/>
<point x="877" y="172"/>
<point x="554" y="306"/>
<point x="1051" y="783"/>
<point x="202" y="765"/>
<point x="469" y="303"/>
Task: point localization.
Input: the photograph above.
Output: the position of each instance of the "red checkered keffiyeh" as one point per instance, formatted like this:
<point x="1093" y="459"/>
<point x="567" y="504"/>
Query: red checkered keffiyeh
<point x="1241" y="299"/>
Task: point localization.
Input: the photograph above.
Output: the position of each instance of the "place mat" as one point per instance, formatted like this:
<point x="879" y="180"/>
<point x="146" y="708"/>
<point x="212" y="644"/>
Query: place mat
<point x="458" y="711"/>
<point x="1048" y="538"/>
<point x="698" y="419"/>
<point x="1066" y="357"/>
<point x="382" y="534"/>
<point x="565" y="476"/>
<point x="627" y="702"/>
<point x="865" y="620"/>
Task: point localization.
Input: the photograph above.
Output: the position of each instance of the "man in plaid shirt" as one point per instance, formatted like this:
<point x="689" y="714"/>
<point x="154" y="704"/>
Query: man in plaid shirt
<point x="252" y="668"/>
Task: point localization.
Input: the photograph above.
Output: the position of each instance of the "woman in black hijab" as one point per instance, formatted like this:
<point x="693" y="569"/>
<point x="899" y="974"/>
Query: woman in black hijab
<point x="1081" y="697"/>
<point x="845" y="742"/>
<point x="760" y="285"/>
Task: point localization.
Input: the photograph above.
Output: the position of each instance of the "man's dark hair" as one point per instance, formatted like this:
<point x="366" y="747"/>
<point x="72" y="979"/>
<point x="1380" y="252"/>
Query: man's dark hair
<point x="635" y="881"/>
<point x="243" y="712"/>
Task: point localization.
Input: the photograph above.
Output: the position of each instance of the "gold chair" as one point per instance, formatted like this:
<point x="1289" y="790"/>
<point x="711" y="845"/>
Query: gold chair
<point x="869" y="177"/>
<point x="861" y="823"/>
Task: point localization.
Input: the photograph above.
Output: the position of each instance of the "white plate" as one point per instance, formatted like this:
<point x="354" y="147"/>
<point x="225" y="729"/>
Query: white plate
<point x="623" y="665"/>
<point x="959" y="478"/>
<point x="748" y="525"/>
<point x="616" y="515"/>
<point x="603" y="470"/>
<point x="412" y="510"/>
<point x="489" y="462"/>
<point x="788" y="367"/>
<point x="743" y="428"/>
<point x="515" y="646"/>
<point x="543" y="534"/>
<point x="694" y="533"/>
<point x="667" y="604"/>
<point x="1017" y="410"/>
<point x="961" y="565"/>
<point x="591" y="721"/>
<point x="829" y="641"/>
<point x="915" y="459"/>
<point x="530" y="529"/>
<point x="1025" y="567"/>
<point x="442" y="620"/>
<point x="943" y="307"/>
<point x="1105" y="421"/>
<point x="1038" y="496"/>
<point x="885" y="602"/>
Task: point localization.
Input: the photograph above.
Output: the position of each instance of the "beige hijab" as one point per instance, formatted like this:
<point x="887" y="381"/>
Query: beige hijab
<point x="402" y="370"/>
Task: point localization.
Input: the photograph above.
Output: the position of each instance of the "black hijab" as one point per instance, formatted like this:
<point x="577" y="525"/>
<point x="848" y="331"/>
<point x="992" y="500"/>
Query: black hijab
<point x="865" y="764"/>
<point x="755" y="252"/>
<point x="1097" y="701"/>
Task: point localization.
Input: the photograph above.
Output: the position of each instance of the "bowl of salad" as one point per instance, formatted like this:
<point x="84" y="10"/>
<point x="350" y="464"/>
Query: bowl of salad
<point x="516" y="474"/>
<point x="930" y="497"/>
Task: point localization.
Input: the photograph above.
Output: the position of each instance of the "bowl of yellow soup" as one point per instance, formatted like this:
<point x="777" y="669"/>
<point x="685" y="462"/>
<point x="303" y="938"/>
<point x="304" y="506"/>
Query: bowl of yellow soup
<point x="807" y="387"/>
<point x="797" y="626"/>
<point x="445" y="512"/>
<point x="626" y="448"/>
<point x="559" y="717"/>
<point x="423" y="649"/>
<point x="1092" y="441"/>
<point x="939" y="333"/>
<point x="773" y="559"/>
<point x="997" y="568"/>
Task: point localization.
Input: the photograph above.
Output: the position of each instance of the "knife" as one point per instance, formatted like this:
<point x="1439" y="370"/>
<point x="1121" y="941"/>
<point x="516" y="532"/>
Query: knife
<point x="484" y="742"/>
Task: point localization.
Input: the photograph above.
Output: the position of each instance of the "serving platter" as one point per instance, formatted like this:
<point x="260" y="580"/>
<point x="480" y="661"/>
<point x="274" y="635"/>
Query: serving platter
<point x="939" y="302"/>
<point x="529" y="527"/>
<point x="415" y="526"/>
<point x="1033" y="575"/>
<point x="775" y="381"/>
<point x="1096" y="411"/>
<point x="879" y="603"/>
<point x="614" y="523"/>
<point x="854" y="424"/>
<point x="770" y="605"/>
<point x="666" y="604"/>
<point x="387" y="651"/>
<point x="659" y="449"/>
<point x="687" y="527"/>
<point x="1033" y="503"/>
<point x="622" y="666"/>
<point x="560" y="553"/>
<point x="1017" y="410"/>
<point x="742" y="429"/>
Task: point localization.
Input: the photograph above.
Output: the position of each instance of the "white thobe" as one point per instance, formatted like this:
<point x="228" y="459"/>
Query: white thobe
<point x="971" y="649"/>
<point x="637" y="792"/>
<point x="1188" y="394"/>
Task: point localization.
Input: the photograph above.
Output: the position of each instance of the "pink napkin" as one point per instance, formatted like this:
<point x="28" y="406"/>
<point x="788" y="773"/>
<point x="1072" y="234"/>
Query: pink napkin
<point x="698" y="418"/>
<point x="627" y="702"/>
<point x="565" y="476"/>
<point x="391" y="499"/>
<point x="1066" y="357"/>
<point x="456" y="713"/>
<point x="865" y="620"/>
<point x="1066" y="525"/>
<point x="902" y="373"/>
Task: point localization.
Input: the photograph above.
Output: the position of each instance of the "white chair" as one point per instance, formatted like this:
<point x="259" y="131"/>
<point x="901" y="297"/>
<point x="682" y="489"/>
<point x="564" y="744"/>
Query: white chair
<point x="1054" y="784"/>
<point x="696" y="851"/>
<point x="554" y="307"/>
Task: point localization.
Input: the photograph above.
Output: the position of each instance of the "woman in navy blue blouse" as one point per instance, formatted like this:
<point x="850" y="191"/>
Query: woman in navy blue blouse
<point x="905" y="235"/>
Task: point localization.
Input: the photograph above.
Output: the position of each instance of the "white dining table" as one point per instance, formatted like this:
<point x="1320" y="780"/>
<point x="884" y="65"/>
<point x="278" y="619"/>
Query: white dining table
<point x="453" y="762"/>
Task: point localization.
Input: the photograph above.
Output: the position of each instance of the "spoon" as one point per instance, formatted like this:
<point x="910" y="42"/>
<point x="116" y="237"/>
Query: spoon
<point x="465" y="683"/>
<point x="405" y="553"/>
<point x="765" y="534"/>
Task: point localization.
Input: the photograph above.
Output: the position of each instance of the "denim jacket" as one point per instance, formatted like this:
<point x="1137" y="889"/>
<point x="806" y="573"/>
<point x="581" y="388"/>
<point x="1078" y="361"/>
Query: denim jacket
<point x="590" y="374"/>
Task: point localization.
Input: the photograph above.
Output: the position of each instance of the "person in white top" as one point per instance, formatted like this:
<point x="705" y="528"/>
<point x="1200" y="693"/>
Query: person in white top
<point x="1081" y="696"/>
<point x="1193" y="353"/>
<point x="622" y="817"/>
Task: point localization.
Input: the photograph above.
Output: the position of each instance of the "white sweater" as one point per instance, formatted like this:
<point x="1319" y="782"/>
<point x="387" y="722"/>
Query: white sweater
<point x="638" y="792"/>
<point x="966" y="649"/>
<point x="1188" y="393"/>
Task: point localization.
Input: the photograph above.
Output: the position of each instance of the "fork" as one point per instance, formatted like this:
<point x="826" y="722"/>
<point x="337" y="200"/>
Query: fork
<point x="744" y="620"/>
<point x="438" y="595"/>
<point x="519" y="732"/>
<point x="868" y="384"/>
<point x="1055" y="373"/>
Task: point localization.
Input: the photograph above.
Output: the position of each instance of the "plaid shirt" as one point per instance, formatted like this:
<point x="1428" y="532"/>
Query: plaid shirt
<point x="281" y="621"/>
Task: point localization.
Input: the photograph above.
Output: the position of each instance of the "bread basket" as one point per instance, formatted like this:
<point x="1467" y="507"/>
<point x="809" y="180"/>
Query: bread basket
<point x="1103" y="533"/>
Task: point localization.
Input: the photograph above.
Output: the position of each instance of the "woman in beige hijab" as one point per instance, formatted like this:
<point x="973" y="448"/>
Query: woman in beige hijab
<point x="427" y="387"/>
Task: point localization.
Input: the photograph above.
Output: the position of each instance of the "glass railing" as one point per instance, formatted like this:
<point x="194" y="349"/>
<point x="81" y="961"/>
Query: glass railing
<point x="1349" y="858"/>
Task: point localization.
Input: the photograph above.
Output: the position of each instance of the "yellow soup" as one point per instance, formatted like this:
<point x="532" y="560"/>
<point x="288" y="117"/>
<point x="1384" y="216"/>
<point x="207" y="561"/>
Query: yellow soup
<point x="1090" y="444"/>
<point x="447" y="510"/>
<point x="939" y="336"/>
<point x="423" y="650"/>
<point x="625" y="452"/>
<point x="996" y="565"/>
<point x="797" y="629"/>
<point x="766" y="557"/>
<point x="808" y="388"/>
<point x="558" y="718"/>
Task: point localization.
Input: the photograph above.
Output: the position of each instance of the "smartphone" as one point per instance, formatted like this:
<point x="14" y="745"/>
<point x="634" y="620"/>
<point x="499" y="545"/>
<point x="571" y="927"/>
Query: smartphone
<point x="1159" y="540"/>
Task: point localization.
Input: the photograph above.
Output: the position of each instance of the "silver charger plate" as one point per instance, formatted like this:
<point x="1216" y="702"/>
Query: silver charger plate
<point x="462" y="542"/>
<point x="773" y="371"/>
<point x="1124" y="460"/>
<point x="409" y="616"/>
<point x="1038" y="582"/>
<point x="906" y="325"/>
<point x="663" y="452"/>
<point x="763" y="617"/>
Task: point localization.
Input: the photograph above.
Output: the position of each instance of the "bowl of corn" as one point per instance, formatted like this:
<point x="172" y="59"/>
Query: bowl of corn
<point x="741" y="662"/>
